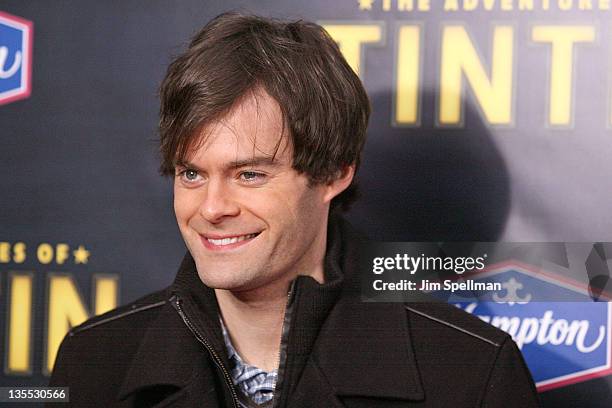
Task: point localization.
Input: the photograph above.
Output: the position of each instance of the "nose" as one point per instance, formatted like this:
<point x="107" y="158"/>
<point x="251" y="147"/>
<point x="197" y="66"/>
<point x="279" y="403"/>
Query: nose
<point x="218" y="202"/>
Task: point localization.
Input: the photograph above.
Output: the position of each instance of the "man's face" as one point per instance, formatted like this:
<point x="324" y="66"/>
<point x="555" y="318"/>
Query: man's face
<point x="247" y="217"/>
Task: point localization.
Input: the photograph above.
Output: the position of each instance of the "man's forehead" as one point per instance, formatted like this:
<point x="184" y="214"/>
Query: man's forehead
<point x="239" y="144"/>
<point x="253" y="127"/>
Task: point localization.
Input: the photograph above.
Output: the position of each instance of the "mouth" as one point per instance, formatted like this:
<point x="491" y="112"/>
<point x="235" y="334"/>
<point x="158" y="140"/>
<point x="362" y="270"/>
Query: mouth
<point x="227" y="242"/>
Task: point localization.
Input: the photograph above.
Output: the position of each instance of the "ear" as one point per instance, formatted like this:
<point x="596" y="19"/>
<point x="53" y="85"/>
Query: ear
<point x="340" y="183"/>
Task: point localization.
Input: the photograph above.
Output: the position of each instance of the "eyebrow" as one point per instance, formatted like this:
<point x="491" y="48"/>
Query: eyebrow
<point x="255" y="161"/>
<point x="236" y="164"/>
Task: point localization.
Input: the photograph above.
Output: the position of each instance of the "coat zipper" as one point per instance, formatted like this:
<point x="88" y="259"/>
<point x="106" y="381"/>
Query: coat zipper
<point x="209" y="348"/>
<point x="284" y="335"/>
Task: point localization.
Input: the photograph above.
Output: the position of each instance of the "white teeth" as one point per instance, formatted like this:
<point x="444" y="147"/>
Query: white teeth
<point x="233" y="240"/>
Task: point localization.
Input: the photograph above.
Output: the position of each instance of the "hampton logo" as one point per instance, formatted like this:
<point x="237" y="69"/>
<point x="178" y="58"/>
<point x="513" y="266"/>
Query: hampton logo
<point x="15" y="58"/>
<point x="563" y="342"/>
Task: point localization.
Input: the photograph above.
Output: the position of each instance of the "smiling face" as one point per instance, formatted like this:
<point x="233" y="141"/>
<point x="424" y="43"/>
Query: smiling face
<point x="247" y="217"/>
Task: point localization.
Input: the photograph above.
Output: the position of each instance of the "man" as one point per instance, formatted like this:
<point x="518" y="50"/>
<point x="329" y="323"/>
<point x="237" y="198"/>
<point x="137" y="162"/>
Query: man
<point x="262" y="126"/>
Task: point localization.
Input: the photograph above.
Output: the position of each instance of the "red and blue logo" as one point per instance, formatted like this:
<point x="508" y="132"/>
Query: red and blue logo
<point x="15" y="58"/>
<point x="563" y="342"/>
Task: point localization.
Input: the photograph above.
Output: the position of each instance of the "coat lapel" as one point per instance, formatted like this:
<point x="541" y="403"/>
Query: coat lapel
<point x="313" y="390"/>
<point x="170" y="367"/>
<point x="365" y="350"/>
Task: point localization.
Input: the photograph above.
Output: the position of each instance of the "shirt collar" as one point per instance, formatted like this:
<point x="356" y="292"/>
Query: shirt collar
<point x="255" y="383"/>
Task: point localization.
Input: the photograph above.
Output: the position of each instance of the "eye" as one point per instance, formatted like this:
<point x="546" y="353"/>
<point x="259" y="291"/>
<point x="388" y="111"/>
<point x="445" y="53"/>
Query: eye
<point x="252" y="176"/>
<point x="189" y="176"/>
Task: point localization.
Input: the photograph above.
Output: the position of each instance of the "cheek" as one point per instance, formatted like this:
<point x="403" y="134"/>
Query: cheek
<point x="185" y="206"/>
<point x="302" y="212"/>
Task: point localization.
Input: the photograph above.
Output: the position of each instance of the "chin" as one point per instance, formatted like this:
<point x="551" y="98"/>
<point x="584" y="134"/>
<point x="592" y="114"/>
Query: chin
<point x="217" y="283"/>
<point x="221" y="278"/>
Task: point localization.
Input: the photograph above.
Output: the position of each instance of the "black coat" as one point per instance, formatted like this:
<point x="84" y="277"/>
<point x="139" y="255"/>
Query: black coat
<point x="167" y="350"/>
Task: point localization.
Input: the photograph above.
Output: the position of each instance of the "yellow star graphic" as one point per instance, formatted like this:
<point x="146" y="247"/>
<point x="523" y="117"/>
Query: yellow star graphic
<point x="81" y="255"/>
<point x="365" y="4"/>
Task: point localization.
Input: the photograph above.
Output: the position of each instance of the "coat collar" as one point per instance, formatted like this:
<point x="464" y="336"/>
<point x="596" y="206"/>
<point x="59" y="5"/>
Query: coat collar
<point x="365" y="349"/>
<point x="359" y="349"/>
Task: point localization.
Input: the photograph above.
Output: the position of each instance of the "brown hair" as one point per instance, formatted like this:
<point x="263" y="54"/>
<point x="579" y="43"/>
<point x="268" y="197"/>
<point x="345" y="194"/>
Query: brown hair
<point x="323" y="102"/>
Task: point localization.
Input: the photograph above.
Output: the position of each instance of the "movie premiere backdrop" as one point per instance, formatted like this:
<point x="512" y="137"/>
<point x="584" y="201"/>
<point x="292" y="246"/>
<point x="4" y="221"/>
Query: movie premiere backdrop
<point x="492" y="121"/>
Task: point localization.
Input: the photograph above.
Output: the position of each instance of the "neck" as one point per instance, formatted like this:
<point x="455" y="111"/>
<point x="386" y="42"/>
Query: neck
<point x="254" y="320"/>
<point x="254" y="325"/>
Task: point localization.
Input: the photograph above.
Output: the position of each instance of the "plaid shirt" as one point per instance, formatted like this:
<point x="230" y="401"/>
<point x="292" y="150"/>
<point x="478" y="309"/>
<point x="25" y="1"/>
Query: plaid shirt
<point x="253" y="382"/>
